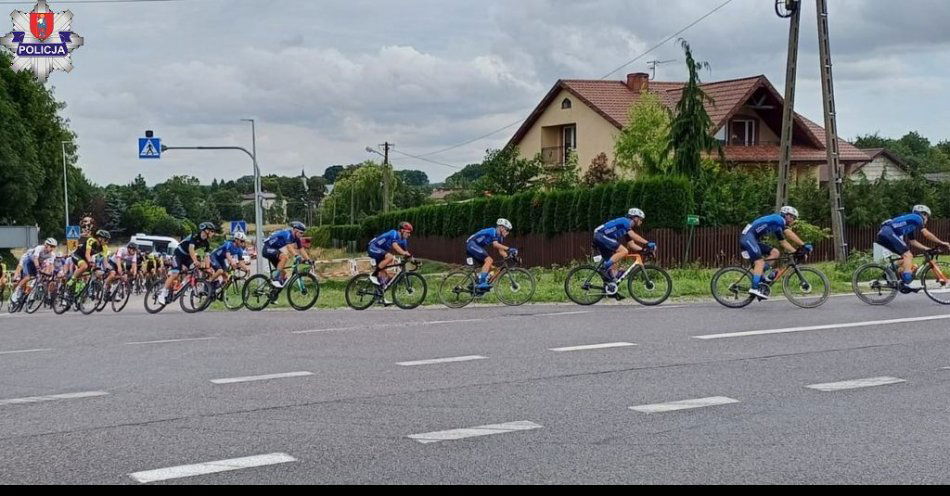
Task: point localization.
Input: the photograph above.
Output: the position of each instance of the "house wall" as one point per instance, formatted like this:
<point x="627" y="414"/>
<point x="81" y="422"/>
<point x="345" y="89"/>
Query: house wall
<point x="595" y="134"/>
<point x="874" y="170"/>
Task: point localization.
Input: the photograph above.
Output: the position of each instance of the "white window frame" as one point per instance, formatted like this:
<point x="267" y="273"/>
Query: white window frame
<point x="749" y="139"/>
<point x="571" y="144"/>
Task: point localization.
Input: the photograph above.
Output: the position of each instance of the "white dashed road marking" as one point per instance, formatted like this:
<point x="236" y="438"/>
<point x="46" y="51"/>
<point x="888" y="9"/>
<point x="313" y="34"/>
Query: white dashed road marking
<point x="847" y="325"/>
<point x="485" y="430"/>
<point x="18" y="352"/>
<point x="856" y="384"/>
<point x="255" y="378"/>
<point x="437" y="361"/>
<point x="676" y="406"/>
<point x="167" y="341"/>
<point x="53" y="397"/>
<point x="206" y="468"/>
<point x="590" y="347"/>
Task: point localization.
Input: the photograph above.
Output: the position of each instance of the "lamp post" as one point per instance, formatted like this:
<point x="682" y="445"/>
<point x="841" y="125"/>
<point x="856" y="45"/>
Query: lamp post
<point x="65" y="183"/>
<point x="258" y="212"/>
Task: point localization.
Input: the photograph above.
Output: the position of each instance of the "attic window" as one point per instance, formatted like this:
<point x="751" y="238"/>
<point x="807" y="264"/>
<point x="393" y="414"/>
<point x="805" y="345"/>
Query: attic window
<point x="566" y="104"/>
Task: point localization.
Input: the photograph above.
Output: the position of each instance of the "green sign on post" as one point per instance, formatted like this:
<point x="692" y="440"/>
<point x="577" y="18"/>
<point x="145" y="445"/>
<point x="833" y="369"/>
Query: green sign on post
<point x="692" y="220"/>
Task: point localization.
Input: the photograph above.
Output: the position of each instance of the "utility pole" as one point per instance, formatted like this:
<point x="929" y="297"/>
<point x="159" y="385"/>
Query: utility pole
<point x="387" y="172"/>
<point x="836" y="181"/>
<point x="788" y="9"/>
<point x="65" y="183"/>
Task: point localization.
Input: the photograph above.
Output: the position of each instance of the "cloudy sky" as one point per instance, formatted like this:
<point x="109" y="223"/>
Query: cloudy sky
<point x="326" y="78"/>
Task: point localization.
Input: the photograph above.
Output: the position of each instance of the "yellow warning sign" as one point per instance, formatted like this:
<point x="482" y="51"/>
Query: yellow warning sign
<point x="71" y="245"/>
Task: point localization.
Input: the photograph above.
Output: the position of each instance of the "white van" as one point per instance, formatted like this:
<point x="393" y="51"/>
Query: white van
<point x="160" y="244"/>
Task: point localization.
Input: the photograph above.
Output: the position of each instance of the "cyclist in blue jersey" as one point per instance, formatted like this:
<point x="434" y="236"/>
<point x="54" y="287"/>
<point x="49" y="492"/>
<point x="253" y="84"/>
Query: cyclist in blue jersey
<point x="186" y="256"/>
<point x="478" y="244"/>
<point x="897" y="233"/>
<point x="383" y="248"/>
<point x="608" y="239"/>
<point x="282" y="246"/>
<point x="228" y="255"/>
<point x="778" y="225"/>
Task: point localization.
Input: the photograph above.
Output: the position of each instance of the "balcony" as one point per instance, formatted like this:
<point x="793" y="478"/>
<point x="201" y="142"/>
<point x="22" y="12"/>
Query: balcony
<point x="553" y="156"/>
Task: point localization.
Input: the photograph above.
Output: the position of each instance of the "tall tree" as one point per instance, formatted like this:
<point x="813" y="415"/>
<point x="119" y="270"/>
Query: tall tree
<point x="691" y="126"/>
<point x="599" y="171"/>
<point x="645" y="143"/>
<point x="507" y="173"/>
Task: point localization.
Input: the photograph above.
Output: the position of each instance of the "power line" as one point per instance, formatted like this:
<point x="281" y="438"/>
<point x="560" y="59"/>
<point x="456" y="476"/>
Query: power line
<point x="436" y="162"/>
<point x="605" y="76"/>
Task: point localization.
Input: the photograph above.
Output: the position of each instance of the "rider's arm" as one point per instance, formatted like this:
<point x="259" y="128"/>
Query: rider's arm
<point x="640" y="240"/>
<point x="917" y="244"/>
<point x="193" y="253"/>
<point x="932" y="237"/>
<point x="501" y="249"/>
<point x="400" y="250"/>
<point x="790" y="235"/>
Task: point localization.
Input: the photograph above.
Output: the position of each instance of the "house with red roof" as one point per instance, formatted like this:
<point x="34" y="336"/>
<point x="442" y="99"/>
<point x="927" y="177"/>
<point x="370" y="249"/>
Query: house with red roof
<point x="585" y="116"/>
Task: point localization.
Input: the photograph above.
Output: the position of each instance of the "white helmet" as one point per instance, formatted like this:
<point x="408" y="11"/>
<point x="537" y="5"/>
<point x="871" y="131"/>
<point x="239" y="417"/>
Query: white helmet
<point x="52" y="242"/>
<point x="239" y="236"/>
<point x="636" y="212"/>
<point x="790" y="211"/>
<point x="504" y="223"/>
<point x="923" y="209"/>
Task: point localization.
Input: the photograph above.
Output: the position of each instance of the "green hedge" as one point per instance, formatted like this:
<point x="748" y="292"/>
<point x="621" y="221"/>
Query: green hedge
<point x="666" y="200"/>
<point x="323" y="236"/>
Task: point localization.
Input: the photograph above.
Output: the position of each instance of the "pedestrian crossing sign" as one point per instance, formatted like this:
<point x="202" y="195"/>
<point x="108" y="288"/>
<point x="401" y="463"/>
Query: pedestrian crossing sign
<point x="73" y="232"/>
<point x="150" y="148"/>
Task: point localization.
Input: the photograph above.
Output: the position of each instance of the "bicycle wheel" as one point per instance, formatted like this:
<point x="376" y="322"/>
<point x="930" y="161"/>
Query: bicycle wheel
<point x="3" y="296"/>
<point x="457" y="289"/>
<point x="104" y="296"/>
<point x="153" y="304"/>
<point x="196" y="298"/>
<point x="62" y="301"/>
<point x="936" y="285"/>
<point x="90" y="296"/>
<point x="360" y="292"/>
<point x="410" y="291"/>
<point x="232" y="294"/>
<point x="650" y="285"/>
<point x="256" y="293"/>
<point x="303" y="290"/>
<point x="875" y="284"/>
<point x="121" y="297"/>
<point x="35" y="301"/>
<point x="806" y="287"/>
<point x="515" y="287"/>
<point x="730" y="287"/>
<point x="585" y="286"/>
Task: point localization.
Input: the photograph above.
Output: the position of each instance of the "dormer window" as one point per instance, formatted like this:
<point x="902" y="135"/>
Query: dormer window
<point x="566" y="104"/>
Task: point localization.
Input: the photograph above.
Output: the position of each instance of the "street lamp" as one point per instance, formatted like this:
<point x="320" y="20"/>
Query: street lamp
<point x="65" y="183"/>
<point x="258" y="198"/>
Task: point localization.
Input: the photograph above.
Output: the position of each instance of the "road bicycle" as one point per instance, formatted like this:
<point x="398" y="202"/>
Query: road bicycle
<point x="407" y="287"/>
<point x="511" y="284"/>
<point x="805" y="287"/>
<point x="303" y="289"/>
<point x="43" y="293"/>
<point x="879" y="283"/>
<point x="193" y="294"/>
<point x="647" y="283"/>
<point x="84" y="295"/>
<point x="231" y="291"/>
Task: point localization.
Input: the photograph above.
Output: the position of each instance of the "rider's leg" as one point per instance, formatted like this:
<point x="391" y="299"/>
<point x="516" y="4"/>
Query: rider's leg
<point x="486" y="270"/>
<point x="381" y="269"/>
<point x="907" y="268"/>
<point x="282" y="264"/>
<point x="611" y="264"/>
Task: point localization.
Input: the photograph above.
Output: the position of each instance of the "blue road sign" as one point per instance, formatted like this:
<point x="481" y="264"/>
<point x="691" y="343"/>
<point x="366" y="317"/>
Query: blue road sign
<point x="72" y="232"/>
<point x="238" y="226"/>
<point x="150" y="148"/>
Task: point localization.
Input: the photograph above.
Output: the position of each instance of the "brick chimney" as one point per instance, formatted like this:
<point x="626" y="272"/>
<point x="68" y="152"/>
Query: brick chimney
<point x="638" y="82"/>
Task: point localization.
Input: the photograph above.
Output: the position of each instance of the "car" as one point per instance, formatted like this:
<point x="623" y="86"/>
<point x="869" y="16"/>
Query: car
<point x="159" y="244"/>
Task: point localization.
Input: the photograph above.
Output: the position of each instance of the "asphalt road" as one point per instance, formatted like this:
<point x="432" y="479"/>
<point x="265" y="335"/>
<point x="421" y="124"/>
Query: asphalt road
<point x="568" y="395"/>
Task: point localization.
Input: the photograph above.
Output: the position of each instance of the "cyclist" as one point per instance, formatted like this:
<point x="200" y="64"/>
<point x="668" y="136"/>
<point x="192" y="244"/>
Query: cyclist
<point x="227" y="256"/>
<point x="281" y="246"/>
<point x="383" y="248"/>
<point x="778" y="225"/>
<point x="33" y="262"/>
<point x="608" y="240"/>
<point x="3" y="274"/>
<point x="186" y="256"/>
<point x="124" y="260"/>
<point x="85" y="255"/>
<point x="477" y="246"/>
<point x="897" y="233"/>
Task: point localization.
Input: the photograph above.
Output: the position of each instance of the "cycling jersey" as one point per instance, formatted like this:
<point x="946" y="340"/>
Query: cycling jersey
<point x="615" y="229"/>
<point x="905" y="225"/>
<point x="219" y="257"/>
<point x="764" y="226"/>
<point x="125" y="255"/>
<point x="485" y="237"/>
<point x="88" y="245"/>
<point x="193" y="240"/>
<point x="382" y="244"/>
<point x="280" y="239"/>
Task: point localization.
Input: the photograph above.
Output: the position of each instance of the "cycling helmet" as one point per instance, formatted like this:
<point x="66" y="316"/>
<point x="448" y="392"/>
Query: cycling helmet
<point x="790" y="211"/>
<point x="102" y="233"/>
<point x="923" y="209"/>
<point x="504" y="223"/>
<point x="405" y="226"/>
<point x="52" y="243"/>
<point x="636" y="212"/>
<point x="207" y="226"/>
<point x="299" y="226"/>
<point x="132" y="246"/>
<point x="239" y="236"/>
